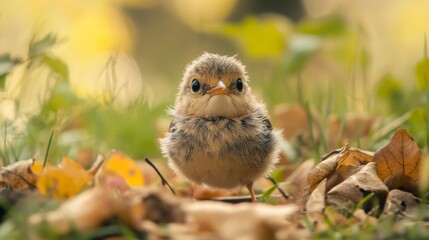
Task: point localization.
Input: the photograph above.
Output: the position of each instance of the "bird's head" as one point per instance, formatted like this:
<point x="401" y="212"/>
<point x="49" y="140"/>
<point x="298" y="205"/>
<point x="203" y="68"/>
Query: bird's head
<point x="215" y="86"/>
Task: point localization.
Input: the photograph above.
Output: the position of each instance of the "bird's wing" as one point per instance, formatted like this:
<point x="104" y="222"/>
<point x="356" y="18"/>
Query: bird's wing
<point x="267" y="123"/>
<point x="172" y="128"/>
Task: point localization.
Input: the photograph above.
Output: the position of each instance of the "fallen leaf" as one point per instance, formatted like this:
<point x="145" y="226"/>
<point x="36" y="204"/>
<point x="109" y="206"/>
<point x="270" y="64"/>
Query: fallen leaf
<point x="203" y="192"/>
<point x="64" y="181"/>
<point x="297" y="182"/>
<point x="37" y="167"/>
<point x="316" y="201"/>
<point x="18" y="175"/>
<point x="120" y="165"/>
<point x="402" y="203"/>
<point x="154" y="205"/>
<point x="324" y="169"/>
<point x="400" y="155"/>
<point x="402" y="182"/>
<point x="315" y="207"/>
<point x="351" y="159"/>
<point x="239" y="221"/>
<point x="356" y="187"/>
<point x="83" y="212"/>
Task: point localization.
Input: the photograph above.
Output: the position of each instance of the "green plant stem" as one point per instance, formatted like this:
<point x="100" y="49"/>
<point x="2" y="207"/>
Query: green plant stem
<point x="47" y="149"/>
<point x="6" y="158"/>
<point x="311" y="128"/>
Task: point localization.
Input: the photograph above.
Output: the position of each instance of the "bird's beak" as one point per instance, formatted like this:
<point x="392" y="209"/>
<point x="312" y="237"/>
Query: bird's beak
<point x="220" y="89"/>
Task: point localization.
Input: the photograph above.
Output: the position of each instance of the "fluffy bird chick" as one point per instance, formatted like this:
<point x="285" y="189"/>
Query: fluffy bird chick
<point x="220" y="135"/>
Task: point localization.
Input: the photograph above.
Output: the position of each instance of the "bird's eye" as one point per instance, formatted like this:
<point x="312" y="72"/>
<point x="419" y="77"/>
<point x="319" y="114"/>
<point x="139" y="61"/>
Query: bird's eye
<point x="239" y="85"/>
<point x="195" y="86"/>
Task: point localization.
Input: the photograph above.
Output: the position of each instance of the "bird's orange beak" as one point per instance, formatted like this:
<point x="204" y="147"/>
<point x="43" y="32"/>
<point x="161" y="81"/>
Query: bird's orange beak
<point x="220" y="89"/>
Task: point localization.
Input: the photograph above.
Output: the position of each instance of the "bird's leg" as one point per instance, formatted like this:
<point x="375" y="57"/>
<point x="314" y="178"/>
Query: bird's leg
<point x="249" y="187"/>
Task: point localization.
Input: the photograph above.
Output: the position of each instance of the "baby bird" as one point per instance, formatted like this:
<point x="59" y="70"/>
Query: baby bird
<point x="220" y="135"/>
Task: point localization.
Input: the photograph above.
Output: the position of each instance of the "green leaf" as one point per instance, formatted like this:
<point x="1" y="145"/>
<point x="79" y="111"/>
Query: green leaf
<point x="57" y="66"/>
<point x="37" y="48"/>
<point x="422" y="74"/>
<point x="267" y="194"/>
<point x="6" y="65"/>
<point x="331" y="26"/>
<point x="260" y="38"/>
<point x="2" y="80"/>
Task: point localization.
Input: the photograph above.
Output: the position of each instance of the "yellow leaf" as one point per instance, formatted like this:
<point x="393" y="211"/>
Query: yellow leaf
<point x="37" y="167"/>
<point x="65" y="181"/>
<point x="121" y="165"/>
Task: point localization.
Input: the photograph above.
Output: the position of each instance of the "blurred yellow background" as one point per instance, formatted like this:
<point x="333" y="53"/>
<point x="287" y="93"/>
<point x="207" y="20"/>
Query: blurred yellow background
<point x="154" y="39"/>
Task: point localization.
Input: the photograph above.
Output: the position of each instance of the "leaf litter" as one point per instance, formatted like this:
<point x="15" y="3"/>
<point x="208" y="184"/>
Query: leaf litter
<point x="349" y="186"/>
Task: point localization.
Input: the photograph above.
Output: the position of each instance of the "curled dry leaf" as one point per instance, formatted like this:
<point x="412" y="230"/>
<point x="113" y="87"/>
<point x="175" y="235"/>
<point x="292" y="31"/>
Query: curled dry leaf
<point x="351" y="159"/>
<point x="96" y="206"/>
<point x="324" y="169"/>
<point x="400" y="155"/>
<point x="18" y="175"/>
<point x="84" y="212"/>
<point x="315" y="207"/>
<point x="241" y="221"/>
<point x="400" y="202"/>
<point x="356" y="187"/>
<point x="316" y="201"/>
<point x="64" y="181"/>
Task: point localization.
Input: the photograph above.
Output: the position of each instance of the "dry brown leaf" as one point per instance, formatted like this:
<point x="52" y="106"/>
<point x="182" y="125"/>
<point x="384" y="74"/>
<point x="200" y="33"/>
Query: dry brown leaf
<point x="297" y="182"/>
<point x="324" y="169"/>
<point x="154" y="205"/>
<point x="316" y="201"/>
<point x="240" y="221"/>
<point x="351" y="159"/>
<point x="18" y="175"/>
<point x="316" y="205"/>
<point x="94" y="207"/>
<point x="400" y="202"/>
<point x="402" y="182"/>
<point x="204" y="193"/>
<point x="86" y="211"/>
<point x="400" y="155"/>
<point x="358" y="186"/>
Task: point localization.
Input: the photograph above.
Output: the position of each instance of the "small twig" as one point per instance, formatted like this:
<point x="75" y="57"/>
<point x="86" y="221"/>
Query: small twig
<point x="96" y="165"/>
<point x="285" y="196"/>
<point x="164" y="182"/>
<point x="32" y="186"/>
<point x="47" y="149"/>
